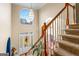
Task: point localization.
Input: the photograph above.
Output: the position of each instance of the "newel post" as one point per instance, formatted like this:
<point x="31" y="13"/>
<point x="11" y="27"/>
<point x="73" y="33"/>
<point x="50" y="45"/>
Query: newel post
<point x="44" y="36"/>
<point x="67" y="19"/>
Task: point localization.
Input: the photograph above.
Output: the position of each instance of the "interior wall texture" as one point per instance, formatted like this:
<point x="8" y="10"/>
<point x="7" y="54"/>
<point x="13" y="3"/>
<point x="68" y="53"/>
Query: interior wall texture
<point x="5" y="25"/>
<point x="17" y="27"/>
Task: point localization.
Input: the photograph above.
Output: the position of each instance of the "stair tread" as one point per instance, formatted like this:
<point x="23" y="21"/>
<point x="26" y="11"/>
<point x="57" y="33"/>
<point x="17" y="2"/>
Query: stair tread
<point x="63" y="52"/>
<point x="74" y="24"/>
<point x="69" y="44"/>
<point x="72" y="29"/>
<point x="73" y="36"/>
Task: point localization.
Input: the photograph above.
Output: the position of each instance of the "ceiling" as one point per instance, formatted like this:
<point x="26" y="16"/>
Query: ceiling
<point x="35" y="6"/>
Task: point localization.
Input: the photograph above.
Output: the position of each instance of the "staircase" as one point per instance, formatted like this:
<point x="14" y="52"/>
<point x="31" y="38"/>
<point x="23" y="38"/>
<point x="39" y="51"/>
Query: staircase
<point x="54" y="40"/>
<point x="69" y="45"/>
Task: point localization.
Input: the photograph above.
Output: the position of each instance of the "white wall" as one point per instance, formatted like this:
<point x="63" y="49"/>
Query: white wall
<point x="17" y="27"/>
<point x="5" y="19"/>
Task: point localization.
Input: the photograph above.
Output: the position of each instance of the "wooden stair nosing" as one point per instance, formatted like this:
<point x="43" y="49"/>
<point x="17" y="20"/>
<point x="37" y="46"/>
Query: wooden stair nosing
<point x="71" y="29"/>
<point x="72" y="36"/>
<point x="63" y="52"/>
<point x="74" y="24"/>
<point x="69" y="44"/>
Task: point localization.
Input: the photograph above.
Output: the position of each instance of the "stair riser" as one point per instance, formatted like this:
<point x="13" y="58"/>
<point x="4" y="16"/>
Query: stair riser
<point x="74" y="27"/>
<point x="72" y="32"/>
<point x="69" y="48"/>
<point x="70" y="39"/>
<point x="56" y="54"/>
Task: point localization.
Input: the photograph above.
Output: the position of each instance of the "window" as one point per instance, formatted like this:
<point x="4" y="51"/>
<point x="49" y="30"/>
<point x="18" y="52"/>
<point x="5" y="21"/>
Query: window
<point x="25" y="41"/>
<point x="26" y="16"/>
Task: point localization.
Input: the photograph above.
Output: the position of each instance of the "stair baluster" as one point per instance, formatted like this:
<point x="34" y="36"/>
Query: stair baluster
<point x="55" y="27"/>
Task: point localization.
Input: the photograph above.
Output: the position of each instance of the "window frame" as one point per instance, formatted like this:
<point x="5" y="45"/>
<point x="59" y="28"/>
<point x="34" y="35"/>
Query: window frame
<point x="29" y="12"/>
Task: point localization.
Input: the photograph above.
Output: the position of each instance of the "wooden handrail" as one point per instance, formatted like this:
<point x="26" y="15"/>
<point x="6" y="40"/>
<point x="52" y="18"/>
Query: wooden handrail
<point x="59" y="14"/>
<point x="67" y="4"/>
<point x="55" y="17"/>
<point x="70" y="5"/>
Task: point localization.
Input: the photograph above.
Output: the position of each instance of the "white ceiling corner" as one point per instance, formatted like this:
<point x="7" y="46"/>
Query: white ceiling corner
<point x="34" y="5"/>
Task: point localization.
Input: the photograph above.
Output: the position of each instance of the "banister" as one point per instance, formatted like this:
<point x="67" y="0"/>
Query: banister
<point x="55" y="17"/>
<point x="59" y="13"/>
<point x="70" y="5"/>
<point x="44" y="35"/>
<point x="44" y="27"/>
